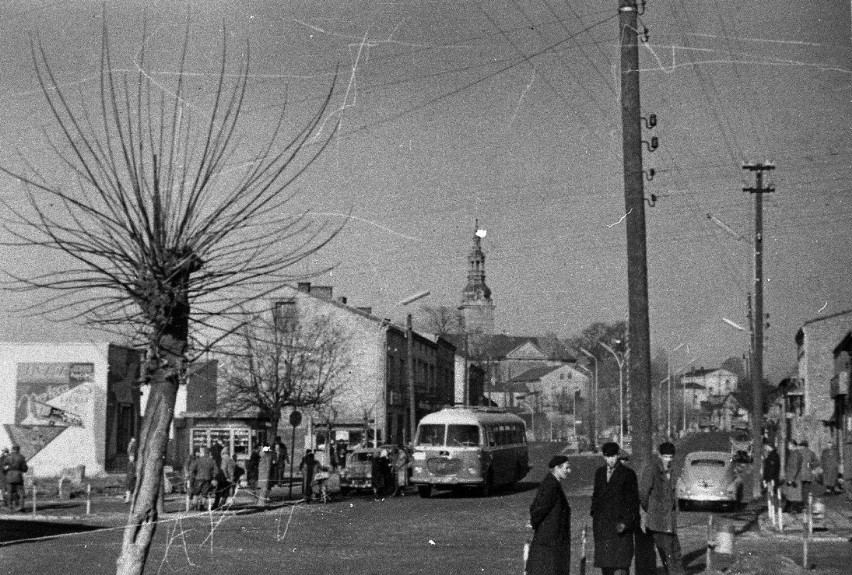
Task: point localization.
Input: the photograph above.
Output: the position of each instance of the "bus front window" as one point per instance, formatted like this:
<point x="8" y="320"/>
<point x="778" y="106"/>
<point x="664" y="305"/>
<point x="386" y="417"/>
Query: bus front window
<point x="430" y="434"/>
<point x="465" y="435"/>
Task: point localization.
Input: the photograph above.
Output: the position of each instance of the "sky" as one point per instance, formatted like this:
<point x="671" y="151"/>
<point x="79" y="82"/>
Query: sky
<point x="507" y="112"/>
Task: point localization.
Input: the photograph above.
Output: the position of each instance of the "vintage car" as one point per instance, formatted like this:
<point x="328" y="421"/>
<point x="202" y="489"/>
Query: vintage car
<point x="711" y="477"/>
<point x="357" y="474"/>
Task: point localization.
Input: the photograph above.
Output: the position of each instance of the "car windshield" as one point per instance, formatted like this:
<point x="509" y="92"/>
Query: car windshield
<point x="708" y="462"/>
<point x="431" y="434"/>
<point x="467" y="435"/>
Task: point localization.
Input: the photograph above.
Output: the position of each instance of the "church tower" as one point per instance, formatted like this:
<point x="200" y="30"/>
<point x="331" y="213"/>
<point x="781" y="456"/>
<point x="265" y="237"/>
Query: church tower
<point x="476" y="305"/>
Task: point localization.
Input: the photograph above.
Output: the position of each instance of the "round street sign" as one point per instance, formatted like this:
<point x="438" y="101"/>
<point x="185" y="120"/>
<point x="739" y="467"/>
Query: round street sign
<point x="295" y="418"/>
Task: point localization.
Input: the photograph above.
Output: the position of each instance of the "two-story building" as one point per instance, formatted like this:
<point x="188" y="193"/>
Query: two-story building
<point x="373" y="394"/>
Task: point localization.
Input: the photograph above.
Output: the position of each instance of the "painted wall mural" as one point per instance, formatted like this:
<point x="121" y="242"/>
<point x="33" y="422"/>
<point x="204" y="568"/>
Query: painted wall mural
<point x="50" y="397"/>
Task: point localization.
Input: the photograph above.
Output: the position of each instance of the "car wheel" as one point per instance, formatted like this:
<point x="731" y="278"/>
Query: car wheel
<point x="344" y="490"/>
<point x="424" y="490"/>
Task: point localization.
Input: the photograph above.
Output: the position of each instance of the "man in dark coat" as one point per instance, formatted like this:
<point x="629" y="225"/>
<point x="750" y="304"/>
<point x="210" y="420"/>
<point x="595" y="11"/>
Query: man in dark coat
<point x="771" y="466"/>
<point x="659" y="502"/>
<point x="615" y="513"/>
<point x="204" y="473"/>
<point x="308" y="468"/>
<point x="550" y="517"/>
<point x="15" y="466"/>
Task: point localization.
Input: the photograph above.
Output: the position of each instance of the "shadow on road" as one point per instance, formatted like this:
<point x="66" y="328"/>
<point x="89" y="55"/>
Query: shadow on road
<point x="20" y="531"/>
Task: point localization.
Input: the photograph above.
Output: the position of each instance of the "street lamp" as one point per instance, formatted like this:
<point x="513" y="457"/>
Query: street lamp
<point x="620" y="360"/>
<point x="591" y="416"/>
<point x="409" y="338"/>
<point x="669" y="372"/>
<point x="594" y="422"/>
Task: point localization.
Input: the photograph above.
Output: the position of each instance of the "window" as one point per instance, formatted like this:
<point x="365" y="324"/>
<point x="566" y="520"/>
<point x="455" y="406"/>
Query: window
<point x="466" y="435"/>
<point x="431" y="434"/>
<point x="284" y="313"/>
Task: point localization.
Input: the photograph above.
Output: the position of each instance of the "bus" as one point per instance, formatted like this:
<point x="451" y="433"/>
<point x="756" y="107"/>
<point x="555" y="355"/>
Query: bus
<point x="476" y="447"/>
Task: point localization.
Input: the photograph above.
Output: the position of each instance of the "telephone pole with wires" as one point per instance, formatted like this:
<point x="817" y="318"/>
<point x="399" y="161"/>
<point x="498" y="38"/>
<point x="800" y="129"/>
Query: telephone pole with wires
<point x="757" y="320"/>
<point x="639" y="366"/>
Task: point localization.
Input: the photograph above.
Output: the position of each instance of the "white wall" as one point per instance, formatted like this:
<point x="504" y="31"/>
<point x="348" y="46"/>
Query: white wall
<point x="79" y="440"/>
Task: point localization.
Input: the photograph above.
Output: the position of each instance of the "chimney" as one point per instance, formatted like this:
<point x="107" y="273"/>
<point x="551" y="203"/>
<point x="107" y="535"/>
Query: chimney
<point x="341" y="299"/>
<point x="304" y="286"/>
<point x="322" y="292"/>
<point x="367" y="310"/>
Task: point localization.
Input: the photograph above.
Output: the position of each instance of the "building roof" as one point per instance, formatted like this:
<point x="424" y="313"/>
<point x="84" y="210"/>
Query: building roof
<point x="825" y="317"/>
<point x="692" y="385"/>
<point x="535" y="373"/>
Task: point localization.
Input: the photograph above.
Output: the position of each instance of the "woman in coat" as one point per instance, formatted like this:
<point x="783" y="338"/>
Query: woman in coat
<point x="793" y="478"/>
<point x="550" y="517"/>
<point x="615" y="512"/>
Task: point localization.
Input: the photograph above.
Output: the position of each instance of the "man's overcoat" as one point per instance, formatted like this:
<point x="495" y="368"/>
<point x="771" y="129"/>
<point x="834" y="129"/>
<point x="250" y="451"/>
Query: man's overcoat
<point x="614" y="502"/>
<point x="550" y="517"/>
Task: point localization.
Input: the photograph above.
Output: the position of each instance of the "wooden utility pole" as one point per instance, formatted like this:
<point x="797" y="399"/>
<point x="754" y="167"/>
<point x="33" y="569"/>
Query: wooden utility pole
<point x="639" y="365"/>
<point x="758" y="320"/>
<point x="412" y="404"/>
<point x="639" y="338"/>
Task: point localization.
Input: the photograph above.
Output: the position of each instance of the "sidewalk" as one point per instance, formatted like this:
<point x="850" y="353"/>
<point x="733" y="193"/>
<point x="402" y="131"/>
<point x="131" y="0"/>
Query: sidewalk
<point x="111" y="509"/>
<point x="834" y="525"/>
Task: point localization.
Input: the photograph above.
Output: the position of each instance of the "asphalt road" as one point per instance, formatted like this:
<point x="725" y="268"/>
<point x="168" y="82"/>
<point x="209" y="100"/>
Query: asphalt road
<point x="446" y="534"/>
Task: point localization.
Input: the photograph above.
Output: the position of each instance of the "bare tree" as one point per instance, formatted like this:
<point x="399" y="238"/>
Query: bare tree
<point x="160" y="225"/>
<point x="441" y="320"/>
<point x="275" y="365"/>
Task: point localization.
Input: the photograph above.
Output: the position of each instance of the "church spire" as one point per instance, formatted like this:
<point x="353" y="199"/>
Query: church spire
<point x="477" y="306"/>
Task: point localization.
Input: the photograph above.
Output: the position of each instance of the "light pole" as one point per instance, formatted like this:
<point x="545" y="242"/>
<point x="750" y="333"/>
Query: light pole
<point x="594" y="422"/>
<point x="591" y="418"/>
<point x="409" y="340"/>
<point x="669" y="372"/>
<point x="620" y="360"/>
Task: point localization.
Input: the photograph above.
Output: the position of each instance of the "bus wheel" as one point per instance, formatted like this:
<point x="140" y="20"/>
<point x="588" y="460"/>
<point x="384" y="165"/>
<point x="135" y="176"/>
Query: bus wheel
<point x="424" y="490"/>
<point x="487" y="487"/>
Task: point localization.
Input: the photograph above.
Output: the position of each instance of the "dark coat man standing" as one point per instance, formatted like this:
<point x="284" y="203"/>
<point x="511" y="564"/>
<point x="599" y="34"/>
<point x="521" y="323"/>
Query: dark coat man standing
<point x="771" y="466"/>
<point x="659" y="502"/>
<point x="615" y="513"/>
<point x="550" y="517"/>
<point x="15" y="466"/>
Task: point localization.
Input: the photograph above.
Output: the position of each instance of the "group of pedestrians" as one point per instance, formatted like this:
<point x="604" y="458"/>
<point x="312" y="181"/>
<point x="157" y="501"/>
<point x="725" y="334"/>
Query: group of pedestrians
<point x="212" y="475"/>
<point x="801" y="473"/>
<point x="13" y="466"/>
<point x="622" y="504"/>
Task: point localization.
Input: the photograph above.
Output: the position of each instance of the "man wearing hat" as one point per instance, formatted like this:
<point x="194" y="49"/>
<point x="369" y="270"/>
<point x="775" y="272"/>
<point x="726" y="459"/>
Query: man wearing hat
<point x="615" y="513"/>
<point x="550" y="517"/>
<point x="659" y="504"/>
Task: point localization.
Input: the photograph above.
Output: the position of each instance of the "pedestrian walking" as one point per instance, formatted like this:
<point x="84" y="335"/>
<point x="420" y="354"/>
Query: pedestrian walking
<point x="615" y="512"/>
<point x="204" y="474"/>
<point x="550" y="518"/>
<point x="130" y="477"/>
<point x="4" y="485"/>
<point x="771" y="466"/>
<point x="280" y="459"/>
<point x="227" y="478"/>
<point x="830" y="460"/>
<point x="400" y="471"/>
<point x="253" y="467"/>
<point x="380" y="473"/>
<point x="793" y="499"/>
<point x="658" y="501"/>
<point x="15" y="465"/>
<point x="810" y="469"/>
<point x="308" y="468"/>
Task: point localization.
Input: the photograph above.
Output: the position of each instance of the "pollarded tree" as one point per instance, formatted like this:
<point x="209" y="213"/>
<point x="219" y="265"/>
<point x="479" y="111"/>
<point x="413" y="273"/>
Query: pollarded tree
<point x="165" y="227"/>
<point x="275" y="365"/>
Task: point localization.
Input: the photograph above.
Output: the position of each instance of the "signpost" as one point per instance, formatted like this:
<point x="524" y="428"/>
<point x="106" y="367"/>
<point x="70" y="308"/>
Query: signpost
<point x="295" y="421"/>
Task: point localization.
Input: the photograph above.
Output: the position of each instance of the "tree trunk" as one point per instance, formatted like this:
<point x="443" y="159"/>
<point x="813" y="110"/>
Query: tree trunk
<point x="165" y="373"/>
<point x="274" y="420"/>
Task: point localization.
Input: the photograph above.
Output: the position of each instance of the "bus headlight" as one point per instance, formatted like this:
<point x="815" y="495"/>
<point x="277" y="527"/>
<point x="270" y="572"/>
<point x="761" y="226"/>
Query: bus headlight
<point x="419" y="456"/>
<point x="471" y="470"/>
<point x="418" y="469"/>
